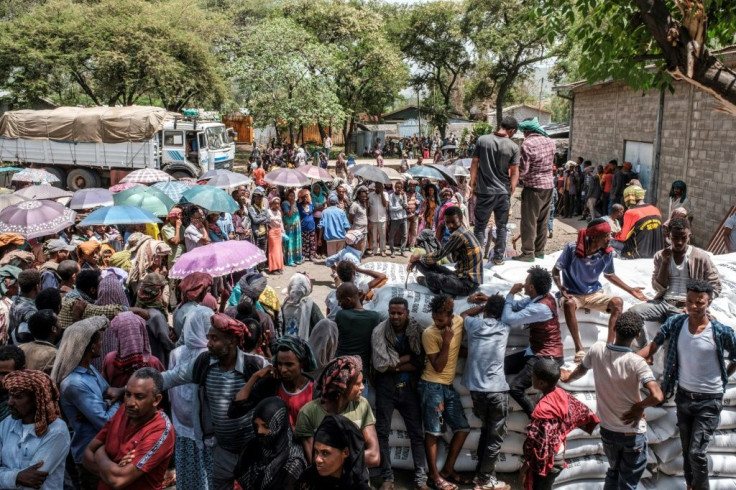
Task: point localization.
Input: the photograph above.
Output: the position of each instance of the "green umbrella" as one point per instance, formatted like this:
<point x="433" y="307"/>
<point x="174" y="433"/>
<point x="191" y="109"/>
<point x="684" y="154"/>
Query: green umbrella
<point x="210" y="198"/>
<point x="149" y="198"/>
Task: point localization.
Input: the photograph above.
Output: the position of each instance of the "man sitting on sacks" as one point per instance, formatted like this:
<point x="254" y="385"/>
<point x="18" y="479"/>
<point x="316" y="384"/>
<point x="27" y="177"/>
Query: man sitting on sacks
<point x="463" y="248"/>
<point x="581" y="264"/>
<point x="674" y="266"/>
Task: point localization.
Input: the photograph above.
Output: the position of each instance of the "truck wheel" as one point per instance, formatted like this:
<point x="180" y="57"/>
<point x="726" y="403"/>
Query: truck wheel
<point x="59" y="173"/>
<point x="181" y="174"/>
<point x="81" y="178"/>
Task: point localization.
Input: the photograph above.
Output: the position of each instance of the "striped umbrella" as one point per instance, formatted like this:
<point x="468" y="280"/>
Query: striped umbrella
<point x="173" y="189"/>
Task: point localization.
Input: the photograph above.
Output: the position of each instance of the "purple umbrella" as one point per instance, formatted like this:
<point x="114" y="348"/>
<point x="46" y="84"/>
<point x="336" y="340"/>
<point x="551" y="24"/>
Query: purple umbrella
<point x="91" y="198"/>
<point x="218" y="259"/>
<point x="34" y="219"/>
<point x="286" y="177"/>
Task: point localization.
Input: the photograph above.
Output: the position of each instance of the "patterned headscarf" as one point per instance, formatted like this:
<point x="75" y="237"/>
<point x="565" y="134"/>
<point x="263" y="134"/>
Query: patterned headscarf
<point x="130" y="337"/>
<point x="111" y="292"/>
<point x="194" y="285"/>
<point x="73" y="344"/>
<point x="225" y="324"/>
<point x="532" y="126"/>
<point x="150" y="290"/>
<point x="44" y="392"/>
<point x="299" y="347"/>
<point x="338" y="375"/>
<point x="597" y="227"/>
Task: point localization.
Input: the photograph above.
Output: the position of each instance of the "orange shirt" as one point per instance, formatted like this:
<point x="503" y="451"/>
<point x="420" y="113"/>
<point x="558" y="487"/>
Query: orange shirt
<point x="258" y="174"/>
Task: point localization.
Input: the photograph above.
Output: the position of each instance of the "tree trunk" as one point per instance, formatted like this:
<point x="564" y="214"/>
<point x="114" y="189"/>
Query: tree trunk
<point x="321" y="132"/>
<point x="500" y="98"/>
<point x="687" y="60"/>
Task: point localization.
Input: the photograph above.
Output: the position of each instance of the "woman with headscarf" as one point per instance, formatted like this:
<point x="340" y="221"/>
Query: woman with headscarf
<point x="338" y="392"/>
<point x="286" y="378"/>
<point x="429" y="205"/>
<point x="149" y="256"/>
<point x="193" y="457"/>
<point x="192" y="288"/>
<point x="448" y="200"/>
<point x="259" y="218"/>
<point x="8" y="288"/>
<point x="150" y="297"/>
<point x="323" y="341"/>
<point x="273" y="460"/>
<point x="132" y="350"/>
<point x="300" y="312"/>
<point x="292" y="229"/>
<point x="241" y="221"/>
<point x="308" y="225"/>
<point x="679" y="199"/>
<point x="276" y="249"/>
<point x="338" y="461"/>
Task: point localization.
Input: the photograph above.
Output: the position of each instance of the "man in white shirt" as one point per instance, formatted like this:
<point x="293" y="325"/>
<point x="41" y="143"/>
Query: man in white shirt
<point x="377" y="203"/>
<point x="195" y="235"/>
<point x="619" y="376"/>
<point x="327" y="146"/>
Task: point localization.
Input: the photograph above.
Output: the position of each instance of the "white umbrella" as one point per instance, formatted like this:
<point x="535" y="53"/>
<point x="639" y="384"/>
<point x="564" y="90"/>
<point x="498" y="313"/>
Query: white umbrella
<point x="146" y="176"/>
<point x="42" y="191"/>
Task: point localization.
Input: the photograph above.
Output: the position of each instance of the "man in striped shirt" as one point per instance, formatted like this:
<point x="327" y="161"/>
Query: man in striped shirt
<point x="463" y="248"/>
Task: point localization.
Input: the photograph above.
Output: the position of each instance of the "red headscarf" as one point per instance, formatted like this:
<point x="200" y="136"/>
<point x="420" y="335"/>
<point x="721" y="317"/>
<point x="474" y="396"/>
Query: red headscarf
<point x="230" y="326"/>
<point x="597" y="227"/>
<point x="193" y="285"/>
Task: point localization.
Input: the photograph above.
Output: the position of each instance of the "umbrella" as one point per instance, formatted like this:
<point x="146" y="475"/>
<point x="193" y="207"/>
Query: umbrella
<point x="146" y="176"/>
<point x="458" y="170"/>
<point x="213" y="173"/>
<point x="152" y="200"/>
<point x="91" y="198"/>
<point x="449" y="147"/>
<point x="172" y="189"/>
<point x="10" y="169"/>
<point x="9" y="199"/>
<point x="286" y="177"/>
<point x="34" y="219"/>
<point x="432" y="172"/>
<point x="119" y="215"/>
<point x="315" y="173"/>
<point x="370" y="172"/>
<point x="42" y="191"/>
<point x="218" y="259"/>
<point x="229" y="180"/>
<point x="210" y="198"/>
<point x="36" y="176"/>
<point x="465" y="162"/>
<point x="123" y="187"/>
<point x="392" y="174"/>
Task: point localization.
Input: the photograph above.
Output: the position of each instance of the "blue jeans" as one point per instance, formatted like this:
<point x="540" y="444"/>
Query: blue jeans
<point x="627" y="459"/>
<point x="697" y="421"/>
<point x="441" y="403"/>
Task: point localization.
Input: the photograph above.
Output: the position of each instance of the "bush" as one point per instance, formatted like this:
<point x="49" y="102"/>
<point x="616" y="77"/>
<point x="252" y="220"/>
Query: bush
<point x="481" y="128"/>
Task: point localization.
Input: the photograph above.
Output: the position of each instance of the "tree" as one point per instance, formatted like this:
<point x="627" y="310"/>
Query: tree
<point x="368" y="70"/>
<point x="431" y="36"/>
<point x="508" y="44"/>
<point x="112" y="52"/>
<point x="282" y="74"/>
<point x="624" y="40"/>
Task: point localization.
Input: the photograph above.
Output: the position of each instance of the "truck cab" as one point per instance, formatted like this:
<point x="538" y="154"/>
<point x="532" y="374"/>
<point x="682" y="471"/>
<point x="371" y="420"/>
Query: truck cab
<point x="190" y="148"/>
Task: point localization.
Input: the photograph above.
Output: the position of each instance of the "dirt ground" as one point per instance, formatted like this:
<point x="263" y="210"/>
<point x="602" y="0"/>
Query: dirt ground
<point x="563" y="231"/>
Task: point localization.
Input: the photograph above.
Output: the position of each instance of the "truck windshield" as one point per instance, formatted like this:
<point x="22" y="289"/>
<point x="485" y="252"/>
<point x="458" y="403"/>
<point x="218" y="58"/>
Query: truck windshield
<point x="217" y="138"/>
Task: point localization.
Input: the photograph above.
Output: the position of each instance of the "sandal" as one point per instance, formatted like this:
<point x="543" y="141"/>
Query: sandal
<point x="457" y="479"/>
<point x="579" y="355"/>
<point x="441" y="484"/>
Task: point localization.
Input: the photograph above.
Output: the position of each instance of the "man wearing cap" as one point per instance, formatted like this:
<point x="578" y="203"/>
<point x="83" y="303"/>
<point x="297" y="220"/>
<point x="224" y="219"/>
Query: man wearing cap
<point x="494" y="173"/>
<point x="333" y="224"/>
<point x="57" y="251"/>
<point x="354" y="243"/>
<point x="537" y="171"/>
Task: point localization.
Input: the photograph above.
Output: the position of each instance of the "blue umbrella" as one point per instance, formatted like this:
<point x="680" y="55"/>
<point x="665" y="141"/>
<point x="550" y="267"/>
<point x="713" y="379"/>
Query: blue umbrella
<point x="172" y="189"/>
<point x="119" y="215"/>
<point x="210" y="198"/>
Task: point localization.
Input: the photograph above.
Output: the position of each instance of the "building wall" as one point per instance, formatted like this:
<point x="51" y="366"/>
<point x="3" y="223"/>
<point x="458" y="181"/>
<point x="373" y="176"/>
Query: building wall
<point x="697" y="143"/>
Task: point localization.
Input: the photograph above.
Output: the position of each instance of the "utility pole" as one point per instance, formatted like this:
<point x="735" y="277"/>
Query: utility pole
<point x="419" y="114"/>
<point x="541" y="86"/>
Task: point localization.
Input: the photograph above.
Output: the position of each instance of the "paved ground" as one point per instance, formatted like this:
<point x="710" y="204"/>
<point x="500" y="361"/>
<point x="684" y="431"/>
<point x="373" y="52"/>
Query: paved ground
<point x="564" y="231"/>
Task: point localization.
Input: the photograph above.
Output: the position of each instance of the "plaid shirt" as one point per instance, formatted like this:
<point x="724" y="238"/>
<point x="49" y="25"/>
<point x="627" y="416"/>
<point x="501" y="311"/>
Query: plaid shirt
<point x="65" y="315"/>
<point x="537" y="162"/>
<point x="725" y="339"/>
<point x="464" y="249"/>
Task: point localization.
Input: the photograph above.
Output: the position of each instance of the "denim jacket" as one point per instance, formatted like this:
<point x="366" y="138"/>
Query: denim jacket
<point x="725" y="339"/>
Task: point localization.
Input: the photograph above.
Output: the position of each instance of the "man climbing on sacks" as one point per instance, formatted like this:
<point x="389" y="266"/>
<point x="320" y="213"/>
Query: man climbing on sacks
<point x="581" y="264"/>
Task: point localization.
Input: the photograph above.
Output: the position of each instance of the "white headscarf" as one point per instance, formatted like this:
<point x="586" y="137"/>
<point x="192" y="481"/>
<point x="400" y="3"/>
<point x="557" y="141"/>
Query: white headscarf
<point x="297" y="309"/>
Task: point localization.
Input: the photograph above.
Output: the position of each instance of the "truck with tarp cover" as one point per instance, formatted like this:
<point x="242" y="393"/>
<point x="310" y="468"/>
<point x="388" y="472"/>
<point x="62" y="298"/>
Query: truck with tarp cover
<point x="96" y="146"/>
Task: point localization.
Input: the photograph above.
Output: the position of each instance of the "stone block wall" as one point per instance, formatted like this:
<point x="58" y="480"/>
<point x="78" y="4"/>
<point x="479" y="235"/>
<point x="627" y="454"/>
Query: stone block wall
<point x="698" y="143"/>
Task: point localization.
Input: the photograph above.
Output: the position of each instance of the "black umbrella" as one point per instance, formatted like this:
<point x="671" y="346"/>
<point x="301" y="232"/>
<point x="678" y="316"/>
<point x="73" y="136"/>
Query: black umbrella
<point x="449" y="147"/>
<point x="370" y="172"/>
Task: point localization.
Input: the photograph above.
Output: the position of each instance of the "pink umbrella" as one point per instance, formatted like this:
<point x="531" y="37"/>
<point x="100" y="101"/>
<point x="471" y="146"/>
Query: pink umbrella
<point x="218" y="259"/>
<point x="286" y="177"/>
<point x="315" y="173"/>
<point x="34" y="219"/>
<point x="123" y="187"/>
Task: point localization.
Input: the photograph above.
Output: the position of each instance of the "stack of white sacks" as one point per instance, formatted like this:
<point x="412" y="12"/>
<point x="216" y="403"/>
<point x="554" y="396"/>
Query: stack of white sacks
<point x="586" y="461"/>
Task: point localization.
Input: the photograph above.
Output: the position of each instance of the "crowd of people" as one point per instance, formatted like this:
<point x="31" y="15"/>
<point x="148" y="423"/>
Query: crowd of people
<point x="114" y="374"/>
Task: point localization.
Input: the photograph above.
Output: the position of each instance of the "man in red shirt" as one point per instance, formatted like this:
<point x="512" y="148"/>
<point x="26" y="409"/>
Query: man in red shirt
<point x="133" y="449"/>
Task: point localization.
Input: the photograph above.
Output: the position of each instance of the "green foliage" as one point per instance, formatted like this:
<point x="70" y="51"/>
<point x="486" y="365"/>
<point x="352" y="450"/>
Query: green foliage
<point x="480" y="128"/>
<point x="113" y="52"/>
<point x="560" y="109"/>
